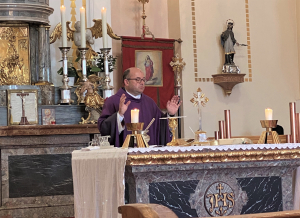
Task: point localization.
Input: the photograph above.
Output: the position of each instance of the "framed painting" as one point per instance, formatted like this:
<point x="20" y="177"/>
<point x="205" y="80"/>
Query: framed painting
<point x="153" y="57"/>
<point x="48" y="116"/>
<point x="15" y="106"/>
<point x="150" y="62"/>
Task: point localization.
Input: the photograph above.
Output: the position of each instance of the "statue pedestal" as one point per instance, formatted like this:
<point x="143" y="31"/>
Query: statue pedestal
<point x="228" y="80"/>
<point x="230" y="68"/>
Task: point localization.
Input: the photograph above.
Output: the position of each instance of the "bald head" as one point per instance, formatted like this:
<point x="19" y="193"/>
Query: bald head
<point x="134" y="81"/>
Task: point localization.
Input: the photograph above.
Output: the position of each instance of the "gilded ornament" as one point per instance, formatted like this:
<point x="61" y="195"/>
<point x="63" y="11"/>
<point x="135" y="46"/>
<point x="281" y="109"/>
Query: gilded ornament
<point x="212" y="157"/>
<point x="14" y="55"/>
<point x="93" y="101"/>
<point x="94" y="31"/>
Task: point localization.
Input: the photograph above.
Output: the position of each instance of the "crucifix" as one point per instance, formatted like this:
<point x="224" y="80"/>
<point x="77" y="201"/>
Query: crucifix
<point x="199" y="100"/>
<point x="24" y="120"/>
<point x="146" y="30"/>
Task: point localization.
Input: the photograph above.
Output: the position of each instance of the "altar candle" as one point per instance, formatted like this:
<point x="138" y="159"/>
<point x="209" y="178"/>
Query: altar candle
<point x="63" y="25"/>
<point x="104" y="27"/>
<point x="135" y="115"/>
<point x="82" y="27"/>
<point x="269" y="114"/>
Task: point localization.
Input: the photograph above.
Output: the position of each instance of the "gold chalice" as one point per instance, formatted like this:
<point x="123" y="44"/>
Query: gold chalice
<point x="173" y="125"/>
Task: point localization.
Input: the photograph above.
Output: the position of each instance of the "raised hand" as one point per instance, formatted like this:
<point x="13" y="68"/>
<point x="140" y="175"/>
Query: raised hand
<point x="173" y="105"/>
<point x="122" y="106"/>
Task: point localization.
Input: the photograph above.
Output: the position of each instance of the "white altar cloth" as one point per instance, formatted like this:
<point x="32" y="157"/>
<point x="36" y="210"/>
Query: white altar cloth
<point x="167" y="149"/>
<point x="98" y="179"/>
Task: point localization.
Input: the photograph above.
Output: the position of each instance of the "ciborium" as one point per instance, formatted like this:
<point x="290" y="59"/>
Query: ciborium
<point x="136" y="129"/>
<point x="269" y="124"/>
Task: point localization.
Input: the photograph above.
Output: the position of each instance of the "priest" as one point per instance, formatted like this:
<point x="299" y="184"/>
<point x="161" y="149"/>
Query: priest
<point x="117" y="111"/>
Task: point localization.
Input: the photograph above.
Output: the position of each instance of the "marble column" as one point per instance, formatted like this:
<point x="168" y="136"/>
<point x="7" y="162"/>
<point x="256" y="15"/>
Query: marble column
<point x="33" y="33"/>
<point x="42" y="74"/>
<point x="48" y="58"/>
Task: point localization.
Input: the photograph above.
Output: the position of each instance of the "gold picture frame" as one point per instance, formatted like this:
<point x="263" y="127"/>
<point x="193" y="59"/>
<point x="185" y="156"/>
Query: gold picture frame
<point x="14" y="54"/>
<point x="14" y="106"/>
<point x="151" y="63"/>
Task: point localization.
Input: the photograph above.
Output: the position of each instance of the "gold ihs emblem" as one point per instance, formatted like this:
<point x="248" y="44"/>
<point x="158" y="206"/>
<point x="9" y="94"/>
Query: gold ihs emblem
<point x="219" y="199"/>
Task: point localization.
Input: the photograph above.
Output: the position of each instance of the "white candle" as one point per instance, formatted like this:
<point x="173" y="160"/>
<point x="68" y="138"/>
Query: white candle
<point x="82" y="27"/>
<point x="135" y="115"/>
<point x="63" y="25"/>
<point x="269" y="114"/>
<point x="104" y="27"/>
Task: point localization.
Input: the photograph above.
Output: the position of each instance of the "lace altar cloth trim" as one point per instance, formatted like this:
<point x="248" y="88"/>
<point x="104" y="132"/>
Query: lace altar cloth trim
<point x="243" y="147"/>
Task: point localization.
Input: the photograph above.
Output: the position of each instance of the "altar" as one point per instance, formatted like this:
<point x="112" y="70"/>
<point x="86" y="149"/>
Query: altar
<point x="203" y="181"/>
<point x="36" y="172"/>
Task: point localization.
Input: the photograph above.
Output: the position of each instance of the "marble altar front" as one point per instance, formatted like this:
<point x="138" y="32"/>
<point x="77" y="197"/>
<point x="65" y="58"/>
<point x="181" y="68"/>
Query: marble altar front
<point x="215" y="180"/>
<point x="36" y="172"/>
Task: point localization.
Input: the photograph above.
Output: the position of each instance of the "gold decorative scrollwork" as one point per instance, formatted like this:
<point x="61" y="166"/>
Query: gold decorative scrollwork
<point x="14" y="55"/>
<point x="212" y="157"/>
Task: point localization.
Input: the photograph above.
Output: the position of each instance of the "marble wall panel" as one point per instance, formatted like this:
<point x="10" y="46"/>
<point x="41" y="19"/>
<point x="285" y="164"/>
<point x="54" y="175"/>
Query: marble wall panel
<point x="264" y="194"/>
<point x="62" y="204"/>
<point x="40" y="175"/>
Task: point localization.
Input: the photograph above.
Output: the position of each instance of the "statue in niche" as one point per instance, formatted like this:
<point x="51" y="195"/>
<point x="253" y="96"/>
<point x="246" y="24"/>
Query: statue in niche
<point x="75" y="35"/>
<point x="228" y="41"/>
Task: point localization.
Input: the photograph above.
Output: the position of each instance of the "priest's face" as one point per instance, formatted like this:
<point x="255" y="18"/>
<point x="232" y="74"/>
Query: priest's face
<point x="135" y="82"/>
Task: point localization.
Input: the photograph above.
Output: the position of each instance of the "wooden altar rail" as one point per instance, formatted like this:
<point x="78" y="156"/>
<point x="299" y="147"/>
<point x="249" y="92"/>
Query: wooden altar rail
<point x="159" y="211"/>
<point x="255" y="139"/>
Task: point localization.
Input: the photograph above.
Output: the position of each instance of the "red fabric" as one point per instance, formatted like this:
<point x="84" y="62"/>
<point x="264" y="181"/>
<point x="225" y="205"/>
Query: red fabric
<point x="160" y="95"/>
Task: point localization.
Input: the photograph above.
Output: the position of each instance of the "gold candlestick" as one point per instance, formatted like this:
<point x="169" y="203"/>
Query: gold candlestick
<point x="140" y="140"/>
<point x="268" y="124"/>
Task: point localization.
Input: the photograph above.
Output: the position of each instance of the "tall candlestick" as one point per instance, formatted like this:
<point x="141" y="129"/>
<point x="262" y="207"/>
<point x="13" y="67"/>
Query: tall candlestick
<point x="227" y="124"/>
<point x="292" y="106"/>
<point x="104" y="27"/>
<point x="82" y="27"/>
<point x="135" y="116"/>
<point x="63" y="25"/>
<point x="222" y="129"/>
<point x="268" y="114"/>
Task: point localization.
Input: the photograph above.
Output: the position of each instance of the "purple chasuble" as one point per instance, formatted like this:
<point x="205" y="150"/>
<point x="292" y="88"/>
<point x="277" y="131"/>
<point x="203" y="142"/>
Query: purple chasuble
<point x="107" y="122"/>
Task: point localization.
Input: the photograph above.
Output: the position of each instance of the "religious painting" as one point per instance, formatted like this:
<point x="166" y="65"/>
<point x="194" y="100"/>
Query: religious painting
<point x="22" y="103"/>
<point x="153" y="57"/>
<point x="14" y="55"/>
<point x="48" y="116"/>
<point x="150" y="62"/>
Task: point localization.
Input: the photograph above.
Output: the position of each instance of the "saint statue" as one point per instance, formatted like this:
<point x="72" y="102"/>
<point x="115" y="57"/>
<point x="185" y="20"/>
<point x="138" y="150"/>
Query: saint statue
<point x="228" y="41"/>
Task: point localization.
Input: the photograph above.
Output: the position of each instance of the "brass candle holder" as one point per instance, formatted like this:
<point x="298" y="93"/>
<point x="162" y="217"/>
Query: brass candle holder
<point x="269" y="124"/>
<point x="136" y="128"/>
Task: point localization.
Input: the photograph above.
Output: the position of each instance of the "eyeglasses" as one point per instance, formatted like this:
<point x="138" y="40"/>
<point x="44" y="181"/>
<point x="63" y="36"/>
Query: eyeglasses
<point x="138" y="80"/>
